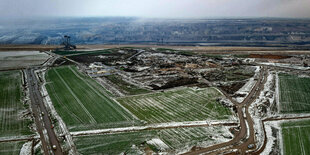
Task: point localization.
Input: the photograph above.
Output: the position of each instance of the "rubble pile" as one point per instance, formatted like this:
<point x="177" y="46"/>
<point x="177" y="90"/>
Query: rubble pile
<point x="157" y="69"/>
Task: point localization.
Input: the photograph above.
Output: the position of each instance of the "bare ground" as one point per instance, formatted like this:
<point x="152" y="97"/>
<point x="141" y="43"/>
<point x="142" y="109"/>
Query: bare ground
<point x="199" y="49"/>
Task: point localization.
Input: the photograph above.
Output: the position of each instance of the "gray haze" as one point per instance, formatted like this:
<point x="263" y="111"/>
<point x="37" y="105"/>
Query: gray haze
<point x="156" y="8"/>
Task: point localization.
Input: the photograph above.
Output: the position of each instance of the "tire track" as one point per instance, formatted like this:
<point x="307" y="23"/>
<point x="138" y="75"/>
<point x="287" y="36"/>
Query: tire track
<point x="92" y="119"/>
<point x="104" y="97"/>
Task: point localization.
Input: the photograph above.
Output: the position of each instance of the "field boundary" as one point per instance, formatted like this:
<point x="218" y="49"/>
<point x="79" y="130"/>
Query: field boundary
<point x="277" y="93"/>
<point x="153" y="127"/>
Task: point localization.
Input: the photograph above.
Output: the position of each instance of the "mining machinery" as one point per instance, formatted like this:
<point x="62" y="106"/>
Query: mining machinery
<point x="67" y="44"/>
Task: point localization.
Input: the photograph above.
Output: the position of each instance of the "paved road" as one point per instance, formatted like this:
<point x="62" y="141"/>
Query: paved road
<point x="242" y="139"/>
<point x="43" y="122"/>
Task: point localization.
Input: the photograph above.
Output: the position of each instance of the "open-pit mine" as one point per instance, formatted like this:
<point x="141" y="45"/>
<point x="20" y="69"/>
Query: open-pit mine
<point x="133" y="99"/>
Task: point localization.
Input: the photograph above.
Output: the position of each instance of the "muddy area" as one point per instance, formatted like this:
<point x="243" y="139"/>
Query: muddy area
<point x="108" y="57"/>
<point x="176" y="83"/>
<point x="61" y="62"/>
<point x="233" y="87"/>
<point x="269" y="56"/>
<point x="236" y="73"/>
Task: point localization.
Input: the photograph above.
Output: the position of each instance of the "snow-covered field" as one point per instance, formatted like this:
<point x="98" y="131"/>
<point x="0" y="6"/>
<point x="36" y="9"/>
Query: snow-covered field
<point x="17" y="59"/>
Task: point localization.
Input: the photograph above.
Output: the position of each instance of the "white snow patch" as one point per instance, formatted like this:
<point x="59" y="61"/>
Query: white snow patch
<point x="158" y="143"/>
<point x="270" y="138"/>
<point x="26" y="149"/>
<point x="152" y="126"/>
<point x="142" y="68"/>
<point x="245" y="90"/>
<point x="285" y="65"/>
<point x="267" y="94"/>
<point x="277" y="92"/>
<point x="14" y="138"/>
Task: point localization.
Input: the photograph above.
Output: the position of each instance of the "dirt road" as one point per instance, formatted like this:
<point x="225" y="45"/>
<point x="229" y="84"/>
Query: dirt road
<point x="42" y="120"/>
<point x="242" y="138"/>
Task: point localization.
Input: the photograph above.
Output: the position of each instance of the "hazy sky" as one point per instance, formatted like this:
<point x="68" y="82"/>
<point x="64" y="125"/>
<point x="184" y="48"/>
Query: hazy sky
<point x="156" y="8"/>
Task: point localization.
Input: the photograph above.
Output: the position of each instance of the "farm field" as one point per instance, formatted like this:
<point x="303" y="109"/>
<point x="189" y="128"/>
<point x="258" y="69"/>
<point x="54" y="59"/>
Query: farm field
<point x="82" y="103"/>
<point x="296" y="137"/>
<point x="164" y="140"/>
<point x="20" y="59"/>
<point x="11" y="148"/>
<point x="294" y="94"/>
<point x="186" y="104"/>
<point x="12" y="119"/>
<point x="126" y="87"/>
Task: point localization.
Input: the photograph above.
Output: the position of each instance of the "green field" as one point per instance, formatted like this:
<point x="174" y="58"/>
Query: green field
<point x="294" y="94"/>
<point x="12" y="121"/>
<point x="185" y="104"/>
<point x="82" y="103"/>
<point x="111" y="144"/>
<point x="172" y="140"/>
<point x="178" y="138"/>
<point x="10" y="148"/>
<point x="296" y="137"/>
<point x="125" y="87"/>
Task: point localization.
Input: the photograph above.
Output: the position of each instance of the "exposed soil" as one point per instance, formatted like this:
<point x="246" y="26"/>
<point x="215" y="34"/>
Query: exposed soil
<point x="268" y="56"/>
<point x="231" y="89"/>
<point x="236" y="73"/>
<point x="62" y="61"/>
<point x="106" y="59"/>
<point x="176" y="83"/>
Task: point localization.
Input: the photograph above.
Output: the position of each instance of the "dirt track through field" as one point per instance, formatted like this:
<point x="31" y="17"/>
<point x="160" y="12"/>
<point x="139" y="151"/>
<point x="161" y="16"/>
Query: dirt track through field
<point x="92" y="119"/>
<point x="241" y="140"/>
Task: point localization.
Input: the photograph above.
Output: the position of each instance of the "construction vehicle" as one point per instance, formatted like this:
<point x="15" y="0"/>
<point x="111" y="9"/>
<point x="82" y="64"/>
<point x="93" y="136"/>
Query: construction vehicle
<point x="67" y="44"/>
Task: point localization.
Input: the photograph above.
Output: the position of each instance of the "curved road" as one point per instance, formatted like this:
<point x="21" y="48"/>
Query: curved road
<point x="242" y="138"/>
